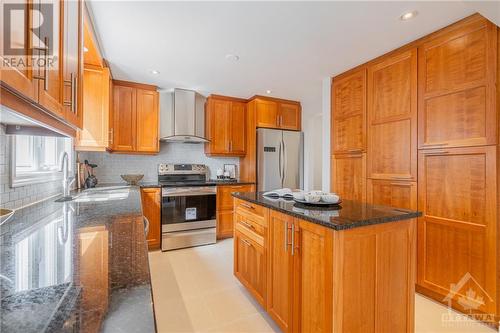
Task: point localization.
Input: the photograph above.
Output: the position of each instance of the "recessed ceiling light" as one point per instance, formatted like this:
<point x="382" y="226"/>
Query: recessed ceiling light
<point x="85" y="49"/>
<point x="232" y="57"/>
<point x="408" y="15"/>
<point x="268" y="91"/>
<point x="154" y="71"/>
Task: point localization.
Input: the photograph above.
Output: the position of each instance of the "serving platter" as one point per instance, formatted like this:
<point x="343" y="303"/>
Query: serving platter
<point x="319" y="203"/>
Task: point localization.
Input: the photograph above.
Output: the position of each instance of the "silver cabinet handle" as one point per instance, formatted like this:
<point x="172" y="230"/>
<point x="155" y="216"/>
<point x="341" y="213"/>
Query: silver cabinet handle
<point x="111" y="134"/>
<point x="248" y="225"/>
<point x="286" y="236"/>
<point x="248" y="206"/>
<point x="45" y="76"/>
<point x="146" y="226"/>
<point x="75" y="95"/>
<point x="71" y="83"/>
<point x="293" y="236"/>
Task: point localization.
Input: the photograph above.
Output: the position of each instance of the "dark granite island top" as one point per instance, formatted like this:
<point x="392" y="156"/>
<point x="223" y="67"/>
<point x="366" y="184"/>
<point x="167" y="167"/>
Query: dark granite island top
<point x="76" y="266"/>
<point x="350" y="214"/>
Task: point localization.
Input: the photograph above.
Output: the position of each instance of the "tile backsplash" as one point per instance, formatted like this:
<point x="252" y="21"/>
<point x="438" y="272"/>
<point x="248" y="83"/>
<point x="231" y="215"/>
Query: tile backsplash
<point x="111" y="166"/>
<point x="17" y="197"/>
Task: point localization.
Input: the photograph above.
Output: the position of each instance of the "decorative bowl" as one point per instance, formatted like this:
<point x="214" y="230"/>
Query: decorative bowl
<point x="5" y="214"/>
<point x="312" y="198"/>
<point x="330" y="198"/>
<point x="132" y="179"/>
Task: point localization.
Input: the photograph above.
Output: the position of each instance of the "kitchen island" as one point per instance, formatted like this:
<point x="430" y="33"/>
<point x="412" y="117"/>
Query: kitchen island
<point x="339" y="269"/>
<point x="78" y="265"/>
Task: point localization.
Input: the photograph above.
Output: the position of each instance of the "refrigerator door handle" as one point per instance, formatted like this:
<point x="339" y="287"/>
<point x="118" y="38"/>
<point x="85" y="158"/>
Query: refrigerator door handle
<point x="280" y="162"/>
<point x="284" y="161"/>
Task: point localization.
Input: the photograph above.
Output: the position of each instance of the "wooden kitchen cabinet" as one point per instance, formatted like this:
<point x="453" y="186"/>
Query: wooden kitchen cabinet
<point x="277" y="113"/>
<point x="457" y="94"/>
<point x="225" y="207"/>
<point x="73" y="62"/>
<point x="392" y="117"/>
<point x="134" y="120"/>
<point x="225" y="124"/>
<point x="457" y="231"/>
<point x="400" y="194"/>
<point x="151" y="208"/>
<point x="96" y="103"/>
<point x="349" y="113"/>
<point x="349" y="176"/>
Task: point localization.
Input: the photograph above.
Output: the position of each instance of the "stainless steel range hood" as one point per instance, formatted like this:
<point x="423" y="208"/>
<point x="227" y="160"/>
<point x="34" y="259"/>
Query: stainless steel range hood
<point x="183" y="117"/>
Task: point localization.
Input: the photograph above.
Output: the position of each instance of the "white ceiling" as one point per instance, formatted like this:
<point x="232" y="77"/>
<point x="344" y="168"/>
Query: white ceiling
<point x="287" y="47"/>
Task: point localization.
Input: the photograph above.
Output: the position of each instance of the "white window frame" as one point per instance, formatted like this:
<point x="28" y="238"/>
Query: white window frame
<point x="18" y="179"/>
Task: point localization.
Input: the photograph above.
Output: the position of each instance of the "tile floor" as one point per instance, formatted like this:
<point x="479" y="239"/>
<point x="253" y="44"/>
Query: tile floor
<point x="194" y="290"/>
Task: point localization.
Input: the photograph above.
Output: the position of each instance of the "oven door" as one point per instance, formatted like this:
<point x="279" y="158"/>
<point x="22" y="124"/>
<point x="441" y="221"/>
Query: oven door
<point x="188" y="208"/>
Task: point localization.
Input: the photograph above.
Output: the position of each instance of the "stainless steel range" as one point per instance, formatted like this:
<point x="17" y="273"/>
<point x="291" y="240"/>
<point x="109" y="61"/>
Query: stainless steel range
<point x="188" y="206"/>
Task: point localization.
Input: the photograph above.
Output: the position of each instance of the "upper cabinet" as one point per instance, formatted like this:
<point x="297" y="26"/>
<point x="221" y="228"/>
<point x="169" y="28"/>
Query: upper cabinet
<point x="456" y="74"/>
<point x="349" y="113"/>
<point x="134" y="118"/>
<point x="56" y="88"/>
<point x="225" y="119"/>
<point x="392" y="117"/>
<point x="277" y="113"/>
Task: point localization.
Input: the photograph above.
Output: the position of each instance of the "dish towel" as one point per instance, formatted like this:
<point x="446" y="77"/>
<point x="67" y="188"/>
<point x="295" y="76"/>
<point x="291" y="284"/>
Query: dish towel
<point x="280" y="193"/>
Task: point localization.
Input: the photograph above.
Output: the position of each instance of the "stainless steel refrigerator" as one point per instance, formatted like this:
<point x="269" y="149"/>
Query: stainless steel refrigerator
<point x="280" y="159"/>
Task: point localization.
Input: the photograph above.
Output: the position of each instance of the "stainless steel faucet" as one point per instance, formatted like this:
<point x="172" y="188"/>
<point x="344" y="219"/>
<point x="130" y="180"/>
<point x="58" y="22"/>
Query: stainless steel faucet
<point x="67" y="181"/>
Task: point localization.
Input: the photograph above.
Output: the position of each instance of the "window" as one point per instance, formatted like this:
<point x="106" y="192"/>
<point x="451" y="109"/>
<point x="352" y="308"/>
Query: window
<point x="36" y="159"/>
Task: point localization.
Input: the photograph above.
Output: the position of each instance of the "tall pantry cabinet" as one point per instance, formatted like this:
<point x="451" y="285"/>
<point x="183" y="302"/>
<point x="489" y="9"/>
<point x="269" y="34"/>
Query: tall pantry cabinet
<point x="422" y="124"/>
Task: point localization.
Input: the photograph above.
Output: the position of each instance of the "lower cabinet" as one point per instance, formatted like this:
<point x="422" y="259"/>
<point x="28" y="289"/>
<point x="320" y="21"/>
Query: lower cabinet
<point x="225" y="207"/>
<point x="151" y="208"/>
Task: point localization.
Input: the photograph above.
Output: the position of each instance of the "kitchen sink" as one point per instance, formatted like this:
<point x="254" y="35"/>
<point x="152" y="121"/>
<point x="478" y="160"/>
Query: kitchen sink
<point x="110" y="193"/>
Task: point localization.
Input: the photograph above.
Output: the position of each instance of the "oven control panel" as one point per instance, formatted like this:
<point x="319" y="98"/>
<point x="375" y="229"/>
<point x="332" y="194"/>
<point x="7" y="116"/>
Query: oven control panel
<point x="172" y="169"/>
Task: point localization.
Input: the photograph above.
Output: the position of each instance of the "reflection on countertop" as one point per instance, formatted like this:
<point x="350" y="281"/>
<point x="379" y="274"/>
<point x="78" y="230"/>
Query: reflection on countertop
<point x="78" y="264"/>
<point x="349" y="214"/>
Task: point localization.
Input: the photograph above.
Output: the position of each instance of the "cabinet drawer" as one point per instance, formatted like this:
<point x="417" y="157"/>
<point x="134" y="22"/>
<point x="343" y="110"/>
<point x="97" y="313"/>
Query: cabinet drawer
<point x="250" y="224"/>
<point x="249" y="233"/>
<point x="247" y="208"/>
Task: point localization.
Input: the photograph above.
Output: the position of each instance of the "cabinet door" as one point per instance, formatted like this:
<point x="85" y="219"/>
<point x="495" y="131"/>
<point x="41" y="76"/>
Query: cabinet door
<point x="250" y="265"/>
<point x="290" y="116"/>
<point x="267" y="113"/>
<point x="151" y="208"/>
<point x="225" y="202"/>
<point x="124" y="118"/>
<point x="457" y="231"/>
<point x="93" y="263"/>
<point x="237" y="128"/>
<point x="391" y="193"/>
<point x="280" y="270"/>
<point x="457" y="94"/>
<point x="392" y="117"/>
<point x="313" y="278"/>
<point x="349" y="176"/>
<point x="147" y="121"/>
<point x="50" y="88"/>
<point x="95" y="125"/>
<point x="217" y="118"/>
<point x="19" y="77"/>
<point x="73" y="61"/>
<point x="349" y="113"/>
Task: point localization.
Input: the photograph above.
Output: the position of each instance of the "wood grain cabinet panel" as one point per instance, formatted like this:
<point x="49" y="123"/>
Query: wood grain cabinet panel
<point x="124" y="118"/>
<point x="349" y="176"/>
<point x="147" y="121"/>
<point x="151" y="208"/>
<point x="280" y="270"/>
<point x="457" y="75"/>
<point x="456" y="234"/>
<point x="267" y="113"/>
<point x="398" y="194"/>
<point x="225" y="207"/>
<point x="225" y="124"/>
<point x="21" y="78"/>
<point x="349" y="113"/>
<point x="250" y="265"/>
<point x="290" y="116"/>
<point x="96" y="96"/>
<point x="392" y="117"/>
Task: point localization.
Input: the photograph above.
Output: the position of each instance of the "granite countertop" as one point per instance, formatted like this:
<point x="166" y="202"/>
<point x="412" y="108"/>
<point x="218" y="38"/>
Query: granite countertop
<point x="60" y="261"/>
<point x="350" y="214"/>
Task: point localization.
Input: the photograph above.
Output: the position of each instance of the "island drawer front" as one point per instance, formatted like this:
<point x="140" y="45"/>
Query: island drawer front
<point x="249" y="233"/>
<point x="249" y="222"/>
<point x="250" y="209"/>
